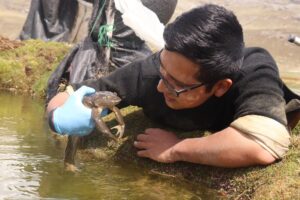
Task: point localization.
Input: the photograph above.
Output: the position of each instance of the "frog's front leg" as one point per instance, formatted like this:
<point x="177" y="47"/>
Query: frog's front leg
<point x="100" y="125"/>
<point x="119" y="117"/>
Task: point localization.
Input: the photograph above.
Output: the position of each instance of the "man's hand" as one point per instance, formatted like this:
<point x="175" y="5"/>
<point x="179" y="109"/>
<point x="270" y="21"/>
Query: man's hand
<point x="73" y="118"/>
<point x="157" y="144"/>
<point x="226" y="148"/>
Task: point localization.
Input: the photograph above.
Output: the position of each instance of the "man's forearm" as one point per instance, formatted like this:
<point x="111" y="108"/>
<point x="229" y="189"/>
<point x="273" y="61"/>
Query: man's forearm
<point x="227" y="148"/>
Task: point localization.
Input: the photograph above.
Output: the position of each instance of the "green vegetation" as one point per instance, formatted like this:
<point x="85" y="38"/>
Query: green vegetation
<point x="27" y="68"/>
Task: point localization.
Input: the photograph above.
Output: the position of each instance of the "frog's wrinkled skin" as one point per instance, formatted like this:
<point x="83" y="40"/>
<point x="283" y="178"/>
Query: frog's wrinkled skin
<point x="97" y="102"/>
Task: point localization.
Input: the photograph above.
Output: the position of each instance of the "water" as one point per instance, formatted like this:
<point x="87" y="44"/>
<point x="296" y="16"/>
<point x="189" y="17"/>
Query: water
<point x="31" y="165"/>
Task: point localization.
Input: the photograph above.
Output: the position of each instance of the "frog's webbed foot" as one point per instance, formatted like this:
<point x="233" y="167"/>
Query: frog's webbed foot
<point x="121" y="126"/>
<point x="71" y="167"/>
<point x="120" y="130"/>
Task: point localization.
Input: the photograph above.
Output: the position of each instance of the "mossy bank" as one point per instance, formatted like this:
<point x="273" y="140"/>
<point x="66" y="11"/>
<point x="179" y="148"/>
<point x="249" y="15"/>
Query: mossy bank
<point x="26" y="66"/>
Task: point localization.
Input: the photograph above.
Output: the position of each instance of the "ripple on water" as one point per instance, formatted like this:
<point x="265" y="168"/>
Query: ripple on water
<point x="18" y="181"/>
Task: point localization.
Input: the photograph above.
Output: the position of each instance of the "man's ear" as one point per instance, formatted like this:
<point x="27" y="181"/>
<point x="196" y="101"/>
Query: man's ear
<point x="221" y="87"/>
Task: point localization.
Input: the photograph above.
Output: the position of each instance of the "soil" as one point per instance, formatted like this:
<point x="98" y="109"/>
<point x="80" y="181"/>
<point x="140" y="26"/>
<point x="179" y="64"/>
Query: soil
<point x="6" y="44"/>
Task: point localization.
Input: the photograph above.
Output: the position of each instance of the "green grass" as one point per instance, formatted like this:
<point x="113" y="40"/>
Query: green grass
<point x="26" y="69"/>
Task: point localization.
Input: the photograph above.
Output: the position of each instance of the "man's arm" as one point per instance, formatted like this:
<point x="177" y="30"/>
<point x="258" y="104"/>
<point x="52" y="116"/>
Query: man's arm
<point x="227" y="148"/>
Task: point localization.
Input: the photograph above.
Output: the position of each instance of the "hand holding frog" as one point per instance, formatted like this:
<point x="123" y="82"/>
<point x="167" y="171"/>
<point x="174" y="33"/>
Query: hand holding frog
<point x="74" y="118"/>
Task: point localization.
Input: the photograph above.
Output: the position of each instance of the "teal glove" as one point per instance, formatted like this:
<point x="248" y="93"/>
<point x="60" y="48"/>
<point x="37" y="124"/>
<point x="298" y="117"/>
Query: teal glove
<point x="74" y="118"/>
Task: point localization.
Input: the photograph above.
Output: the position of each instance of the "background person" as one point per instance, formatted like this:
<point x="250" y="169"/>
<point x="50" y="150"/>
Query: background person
<point x="119" y="33"/>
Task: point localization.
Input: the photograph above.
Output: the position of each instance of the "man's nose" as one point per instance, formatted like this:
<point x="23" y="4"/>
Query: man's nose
<point x="161" y="86"/>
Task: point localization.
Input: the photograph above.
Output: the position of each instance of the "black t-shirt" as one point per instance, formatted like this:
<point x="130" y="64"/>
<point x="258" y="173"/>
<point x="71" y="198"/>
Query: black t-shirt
<point x="256" y="89"/>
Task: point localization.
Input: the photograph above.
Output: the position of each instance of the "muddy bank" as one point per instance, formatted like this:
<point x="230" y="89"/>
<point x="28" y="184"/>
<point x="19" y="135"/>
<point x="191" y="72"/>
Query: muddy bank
<point x="6" y="44"/>
<point x="26" y="66"/>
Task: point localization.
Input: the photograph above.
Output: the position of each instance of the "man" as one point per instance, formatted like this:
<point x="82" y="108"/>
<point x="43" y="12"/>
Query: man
<point x="204" y="79"/>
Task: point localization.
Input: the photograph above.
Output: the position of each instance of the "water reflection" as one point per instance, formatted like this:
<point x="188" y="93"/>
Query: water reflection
<point x="19" y="166"/>
<point x="31" y="165"/>
<point x="15" y="180"/>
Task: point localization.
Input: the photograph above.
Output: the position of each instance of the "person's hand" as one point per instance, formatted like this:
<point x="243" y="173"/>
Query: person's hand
<point x="74" y="118"/>
<point x="157" y="145"/>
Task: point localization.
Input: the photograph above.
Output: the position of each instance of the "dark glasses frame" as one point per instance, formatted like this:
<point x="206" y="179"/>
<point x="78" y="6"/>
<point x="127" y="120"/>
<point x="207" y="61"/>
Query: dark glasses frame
<point x="170" y="87"/>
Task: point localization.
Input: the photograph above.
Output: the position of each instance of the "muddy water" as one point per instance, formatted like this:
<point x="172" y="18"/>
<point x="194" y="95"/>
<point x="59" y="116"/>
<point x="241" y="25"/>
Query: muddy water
<point x="31" y="165"/>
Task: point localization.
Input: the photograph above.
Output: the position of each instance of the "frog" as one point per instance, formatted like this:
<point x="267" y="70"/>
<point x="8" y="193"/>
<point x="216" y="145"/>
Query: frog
<point x="97" y="102"/>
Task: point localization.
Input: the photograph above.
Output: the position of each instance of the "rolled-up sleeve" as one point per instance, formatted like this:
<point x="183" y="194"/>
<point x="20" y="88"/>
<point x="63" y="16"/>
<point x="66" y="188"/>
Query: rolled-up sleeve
<point x="267" y="132"/>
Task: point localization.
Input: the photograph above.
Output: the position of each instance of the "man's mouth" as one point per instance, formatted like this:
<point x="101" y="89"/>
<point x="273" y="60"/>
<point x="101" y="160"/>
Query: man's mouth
<point x="169" y="98"/>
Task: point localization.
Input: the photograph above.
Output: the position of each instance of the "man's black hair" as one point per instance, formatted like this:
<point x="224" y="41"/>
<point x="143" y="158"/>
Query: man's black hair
<point x="210" y="36"/>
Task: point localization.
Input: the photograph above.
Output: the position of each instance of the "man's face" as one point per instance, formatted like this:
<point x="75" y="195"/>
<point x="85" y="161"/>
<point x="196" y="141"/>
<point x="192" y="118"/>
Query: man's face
<point x="178" y="83"/>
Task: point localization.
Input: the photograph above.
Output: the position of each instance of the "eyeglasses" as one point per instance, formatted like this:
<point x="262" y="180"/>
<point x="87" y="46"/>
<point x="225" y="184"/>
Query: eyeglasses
<point x="176" y="92"/>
